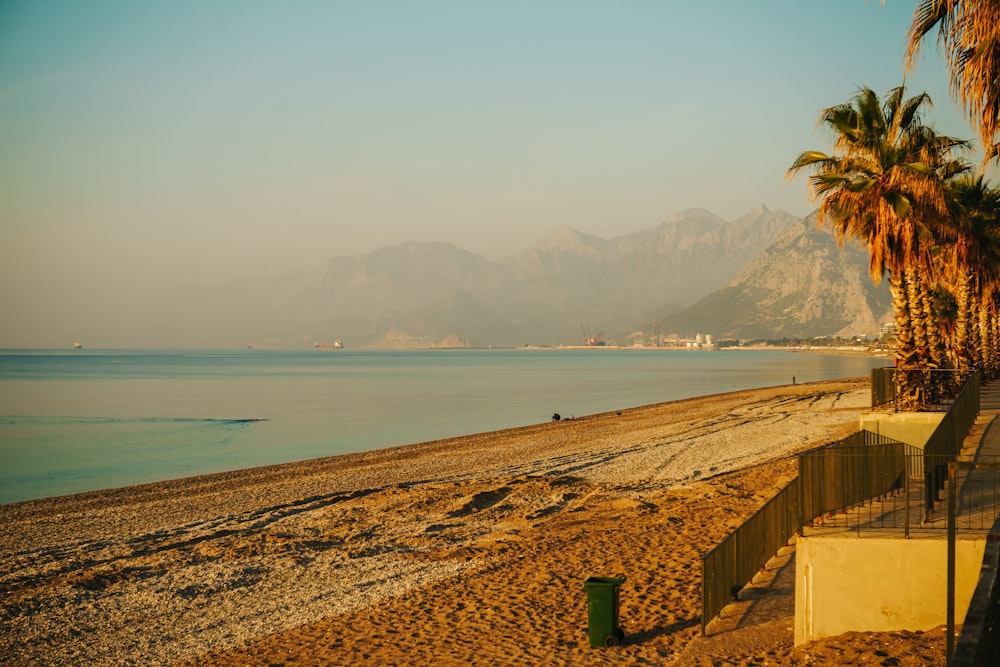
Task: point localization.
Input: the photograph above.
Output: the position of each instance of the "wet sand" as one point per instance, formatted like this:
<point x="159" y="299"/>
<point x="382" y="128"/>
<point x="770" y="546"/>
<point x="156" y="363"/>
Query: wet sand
<point x="468" y="551"/>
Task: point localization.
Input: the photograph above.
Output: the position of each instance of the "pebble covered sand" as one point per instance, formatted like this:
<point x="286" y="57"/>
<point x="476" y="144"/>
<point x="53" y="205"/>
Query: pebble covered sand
<point x="468" y="551"/>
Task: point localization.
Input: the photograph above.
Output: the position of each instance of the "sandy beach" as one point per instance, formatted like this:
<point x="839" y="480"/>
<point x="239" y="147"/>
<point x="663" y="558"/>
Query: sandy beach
<point x="468" y="551"/>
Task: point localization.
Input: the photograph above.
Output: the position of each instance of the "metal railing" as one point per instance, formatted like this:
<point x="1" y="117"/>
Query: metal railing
<point x="866" y="481"/>
<point x="945" y="442"/>
<point x="883" y="388"/>
<point x="890" y="486"/>
<point x="917" y="389"/>
<point x="857" y="488"/>
<point x="732" y="563"/>
<point x="839" y="477"/>
<point x="979" y="643"/>
<point x="904" y="507"/>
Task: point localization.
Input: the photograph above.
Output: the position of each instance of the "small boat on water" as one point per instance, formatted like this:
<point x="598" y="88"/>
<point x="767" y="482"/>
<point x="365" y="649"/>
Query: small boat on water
<point x="337" y="345"/>
<point x="78" y="345"/>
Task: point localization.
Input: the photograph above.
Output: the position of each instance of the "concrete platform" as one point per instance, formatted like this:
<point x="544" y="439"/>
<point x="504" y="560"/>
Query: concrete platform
<point x="882" y="565"/>
<point x="769" y="602"/>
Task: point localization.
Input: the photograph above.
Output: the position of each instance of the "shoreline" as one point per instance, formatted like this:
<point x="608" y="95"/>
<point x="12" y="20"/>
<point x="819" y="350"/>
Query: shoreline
<point x="183" y="484"/>
<point x="662" y="348"/>
<point x="49" y="470"/>
<point x="463" y="551"/>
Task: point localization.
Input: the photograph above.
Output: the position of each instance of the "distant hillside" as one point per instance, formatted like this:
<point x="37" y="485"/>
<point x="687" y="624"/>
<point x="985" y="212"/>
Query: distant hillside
<point x="432" y="294"/>
<point x="765" y="274"/>
<point x="802" y="286"/>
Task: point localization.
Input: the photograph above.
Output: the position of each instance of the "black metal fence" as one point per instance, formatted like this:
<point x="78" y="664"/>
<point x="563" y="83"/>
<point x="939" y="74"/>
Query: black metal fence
<point x="904" y="482"/>
<point x="904" y="507"/>
<point x="733" y="562"/>
<point x="979" y="643"/>
<point x="917" y="389"/>
<point x="846" y="472"/>
<point x="945" y="442"/>
<point x="849" y="472"/>
<point x="864" y="482"/>
<point x="883" y="388"/>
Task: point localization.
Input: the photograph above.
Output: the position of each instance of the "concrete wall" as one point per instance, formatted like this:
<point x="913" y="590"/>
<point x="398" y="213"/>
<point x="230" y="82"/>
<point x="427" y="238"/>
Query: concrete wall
<point x="913" y="428"/>
<point x="844" y="583"/>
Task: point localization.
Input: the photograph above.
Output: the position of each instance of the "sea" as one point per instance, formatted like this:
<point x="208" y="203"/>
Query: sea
<point x="82" y="420"/>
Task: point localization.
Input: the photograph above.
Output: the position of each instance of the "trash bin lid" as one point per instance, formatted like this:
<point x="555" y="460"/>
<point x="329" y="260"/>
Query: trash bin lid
<point x="603" y="581"/>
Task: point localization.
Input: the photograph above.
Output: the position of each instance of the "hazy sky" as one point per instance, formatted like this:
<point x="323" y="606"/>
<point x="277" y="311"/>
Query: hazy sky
<point x="147" y="143"/>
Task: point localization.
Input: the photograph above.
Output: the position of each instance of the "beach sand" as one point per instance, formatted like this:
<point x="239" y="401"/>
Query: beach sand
<point x="468" y="551"/>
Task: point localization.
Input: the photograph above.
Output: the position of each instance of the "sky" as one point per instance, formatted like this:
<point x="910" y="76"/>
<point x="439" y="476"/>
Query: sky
<point x="147" y="144"/>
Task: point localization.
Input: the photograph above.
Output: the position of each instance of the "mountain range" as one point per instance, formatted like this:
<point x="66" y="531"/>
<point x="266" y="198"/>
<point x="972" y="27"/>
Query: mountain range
<point x="803" y="286"/>
<point x="767" y="274"/>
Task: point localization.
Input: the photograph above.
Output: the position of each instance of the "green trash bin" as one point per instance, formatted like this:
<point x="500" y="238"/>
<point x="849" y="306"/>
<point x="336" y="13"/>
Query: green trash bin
<point x="602" y="610"/>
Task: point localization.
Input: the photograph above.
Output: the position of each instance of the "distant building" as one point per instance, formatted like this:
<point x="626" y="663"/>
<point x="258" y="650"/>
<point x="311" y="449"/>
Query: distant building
<point x="888" y="331"/>
<point x="699" y="342"/>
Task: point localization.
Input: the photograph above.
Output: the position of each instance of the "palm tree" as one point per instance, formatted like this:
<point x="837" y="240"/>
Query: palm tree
<point x="969" y="33"/>
<point x="974" y="257"/>
<point x="884" y="185"/>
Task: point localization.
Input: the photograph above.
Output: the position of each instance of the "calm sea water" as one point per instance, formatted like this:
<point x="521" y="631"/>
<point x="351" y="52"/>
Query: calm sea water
<point x="82" y="420"/>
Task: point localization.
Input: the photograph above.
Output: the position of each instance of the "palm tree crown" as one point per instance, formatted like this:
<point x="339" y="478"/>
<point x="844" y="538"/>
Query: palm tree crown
<point x="969" y="33"/>
<point x="884" y="183"/>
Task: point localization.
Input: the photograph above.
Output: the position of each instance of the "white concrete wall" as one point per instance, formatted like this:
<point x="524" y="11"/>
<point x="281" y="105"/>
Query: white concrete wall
<point x="844" y="583"/>
<point x="913" y="428"/>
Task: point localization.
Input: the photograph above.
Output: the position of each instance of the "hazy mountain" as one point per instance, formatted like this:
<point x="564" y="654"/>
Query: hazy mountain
<point x="421" y="294"/>
<point x="766" y="274"/>
<point x="681" y="260"/>
<point x="802" y="286"/>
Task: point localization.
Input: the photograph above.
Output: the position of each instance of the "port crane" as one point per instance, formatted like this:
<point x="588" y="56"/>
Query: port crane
<point x="591" y="341"/>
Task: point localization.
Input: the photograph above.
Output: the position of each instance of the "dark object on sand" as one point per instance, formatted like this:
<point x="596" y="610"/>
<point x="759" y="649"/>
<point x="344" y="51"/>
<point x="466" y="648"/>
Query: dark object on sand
<point x="602" y="611"/>
<point x="556" y="417"/>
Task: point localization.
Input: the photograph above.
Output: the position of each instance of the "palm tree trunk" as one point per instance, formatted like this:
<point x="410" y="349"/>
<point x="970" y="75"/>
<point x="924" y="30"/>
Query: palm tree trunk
<point x="993" y="338"/>
<point x="937" y="349"/>
<point x="977" y="352"/>
<point x="918" y="318"/>
<point x="907" y="377"/>
<point x="984" y="334"/>
<point x="904" y="328"/>
<point x="962" y="344"/>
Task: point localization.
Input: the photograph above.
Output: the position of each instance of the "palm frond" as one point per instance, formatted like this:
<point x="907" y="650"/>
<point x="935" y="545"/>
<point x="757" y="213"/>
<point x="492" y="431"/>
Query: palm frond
<point x="969" y="36"/>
